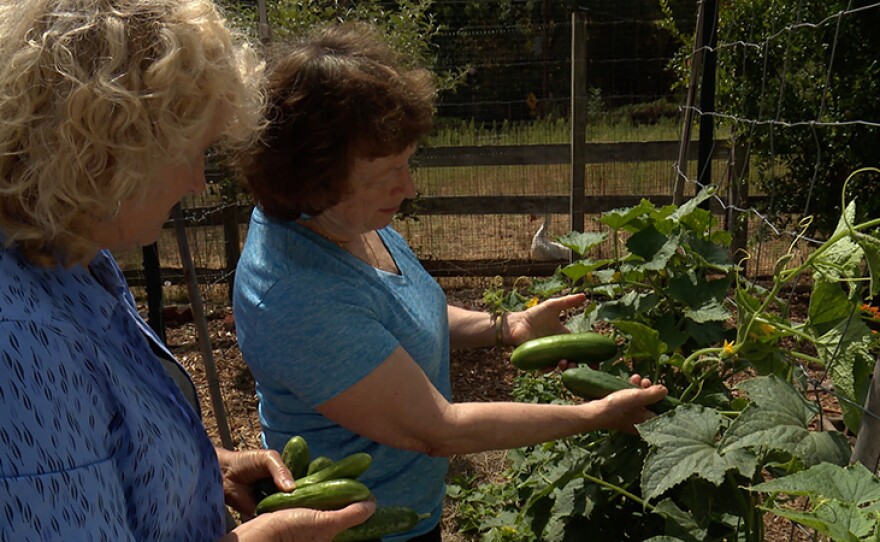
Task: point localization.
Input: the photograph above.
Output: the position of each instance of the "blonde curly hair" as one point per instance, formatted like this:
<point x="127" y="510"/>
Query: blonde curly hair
<point x="95" y="96"/>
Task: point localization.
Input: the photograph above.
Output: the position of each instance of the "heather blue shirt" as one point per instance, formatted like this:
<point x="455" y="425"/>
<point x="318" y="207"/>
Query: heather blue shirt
<point x="313" y="320"/>
<point x="97" y="443"/>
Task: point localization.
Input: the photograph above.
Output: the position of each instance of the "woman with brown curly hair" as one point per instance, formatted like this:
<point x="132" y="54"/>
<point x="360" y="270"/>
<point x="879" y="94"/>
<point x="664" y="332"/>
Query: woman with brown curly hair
<point x="106" y="110"/>
<point x="347" y="336"/>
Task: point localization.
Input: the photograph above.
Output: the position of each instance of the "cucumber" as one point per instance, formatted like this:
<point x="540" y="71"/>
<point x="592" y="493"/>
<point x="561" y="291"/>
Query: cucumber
<point x="545" y="352"/>
<point x="351" y="466"/>
<point x="589" y="384"/>
<point x="318" y="463"/>
<point x="329" y="495"/>
<point x="296" y="456"/>
<point x="385" y="520"/>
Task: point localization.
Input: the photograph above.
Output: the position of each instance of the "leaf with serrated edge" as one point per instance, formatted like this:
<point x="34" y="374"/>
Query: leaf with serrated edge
<point x="841" y="522"/>
<point x="683" y="445"/>
<point x="853" y="484"/>
<point x="582" y="242"/>
<point x="679" y="522"/>
<point x="644" y="341"/>
<point x="776" y="419"/>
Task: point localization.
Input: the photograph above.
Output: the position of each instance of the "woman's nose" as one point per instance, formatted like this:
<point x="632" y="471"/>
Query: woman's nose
<point x="407" y="183"/>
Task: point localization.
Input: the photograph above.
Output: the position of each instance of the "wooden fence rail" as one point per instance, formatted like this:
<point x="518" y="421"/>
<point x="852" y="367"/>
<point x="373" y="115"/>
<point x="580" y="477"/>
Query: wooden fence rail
<point x="230" y="217"/>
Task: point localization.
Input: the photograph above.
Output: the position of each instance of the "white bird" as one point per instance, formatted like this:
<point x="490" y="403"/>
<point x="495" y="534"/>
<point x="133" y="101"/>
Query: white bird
<point x="543" y="249"/>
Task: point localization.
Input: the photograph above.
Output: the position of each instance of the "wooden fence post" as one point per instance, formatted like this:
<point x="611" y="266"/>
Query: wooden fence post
<point x="578" y="118"/>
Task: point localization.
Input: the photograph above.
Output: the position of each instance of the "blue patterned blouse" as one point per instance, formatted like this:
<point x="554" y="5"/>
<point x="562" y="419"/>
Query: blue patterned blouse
<point x="96" y="441"/>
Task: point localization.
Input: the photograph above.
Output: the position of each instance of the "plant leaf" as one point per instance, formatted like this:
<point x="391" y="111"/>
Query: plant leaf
<point x="618" y="218"/>
<point x="644" y="341"/>
<point x="692" y="204"/>
<point x="653" y="247"/>
<point x="852" y="484"/>
<point x="679" y="523"/>
<point x="683" y="443"/>
<point x="581" y="242"/>
<point x="776" y="419"/>
<point x="841" y="522"/>
<point x="871" y="247"/>
<point x="845" y="349"/>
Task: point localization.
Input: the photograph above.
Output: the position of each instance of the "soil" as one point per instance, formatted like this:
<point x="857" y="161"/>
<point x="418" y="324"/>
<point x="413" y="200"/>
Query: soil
<point x="482" y="374"/>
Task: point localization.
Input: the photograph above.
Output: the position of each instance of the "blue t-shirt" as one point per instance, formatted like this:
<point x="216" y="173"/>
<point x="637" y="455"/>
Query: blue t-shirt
<point x="313" y="320"/>
<point x="97" y="443"/>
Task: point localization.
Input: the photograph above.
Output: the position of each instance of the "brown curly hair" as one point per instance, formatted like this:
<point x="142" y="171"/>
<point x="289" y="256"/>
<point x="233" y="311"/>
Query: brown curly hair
<point x="339" y="94"/>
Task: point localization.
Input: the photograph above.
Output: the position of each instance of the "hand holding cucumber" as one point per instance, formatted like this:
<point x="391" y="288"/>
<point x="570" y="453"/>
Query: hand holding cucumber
<point x="243" y="470"/>
<point x="623" y="408"/>
<point x="298" y="524"/>
<point x="539" y="321"/>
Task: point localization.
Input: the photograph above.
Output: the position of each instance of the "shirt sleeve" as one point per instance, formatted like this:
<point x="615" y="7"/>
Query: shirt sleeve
<point x="57" y="479"/>
<point x="318" y="341"/>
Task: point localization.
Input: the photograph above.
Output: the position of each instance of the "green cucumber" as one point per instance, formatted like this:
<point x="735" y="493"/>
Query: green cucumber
<point x="296" y="456"/>
<point x="545" y="352"/>
<point x="589" y="384"/>
<point x="329" y="495"/>
<point x="318" y="463"/>
<point x="385" y="520"/>
<point x="351" y="466"/>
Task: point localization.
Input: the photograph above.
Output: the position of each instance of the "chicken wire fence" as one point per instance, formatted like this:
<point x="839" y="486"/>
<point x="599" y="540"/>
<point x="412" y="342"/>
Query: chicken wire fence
<point x="795" y="112"/>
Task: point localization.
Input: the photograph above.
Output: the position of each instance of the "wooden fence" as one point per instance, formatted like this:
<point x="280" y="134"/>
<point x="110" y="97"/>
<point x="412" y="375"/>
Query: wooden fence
<point x="231" y="217"/>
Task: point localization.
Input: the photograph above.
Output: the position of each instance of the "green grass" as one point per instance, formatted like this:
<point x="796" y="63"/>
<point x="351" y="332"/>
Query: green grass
<point x="600" y="129"/>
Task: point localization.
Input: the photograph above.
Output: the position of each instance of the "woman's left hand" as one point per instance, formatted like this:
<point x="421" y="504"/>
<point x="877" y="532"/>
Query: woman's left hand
<point x="540" y="320"/>
<point x="241" y="470"/>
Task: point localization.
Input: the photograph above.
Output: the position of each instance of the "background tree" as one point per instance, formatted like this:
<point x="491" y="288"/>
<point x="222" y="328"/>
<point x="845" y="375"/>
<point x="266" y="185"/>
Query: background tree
<point x="794" y="91"/>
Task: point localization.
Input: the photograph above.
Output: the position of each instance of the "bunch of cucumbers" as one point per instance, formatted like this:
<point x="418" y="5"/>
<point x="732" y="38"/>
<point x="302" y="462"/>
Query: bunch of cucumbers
<point x="324" y="484"/>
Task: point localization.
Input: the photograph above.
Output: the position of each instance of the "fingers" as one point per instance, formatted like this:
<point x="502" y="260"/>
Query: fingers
<point x="637" y="380"/>
<point x="560" y="304"/>
<point x="353" y="514"/>
<point x="280" y="473"/>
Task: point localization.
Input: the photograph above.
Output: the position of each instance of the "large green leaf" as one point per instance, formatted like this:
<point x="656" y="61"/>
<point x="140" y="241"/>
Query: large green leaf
<point x="569" y="502"/>
<point x="578" y="269"/>
<point x="692" y="204"/>
<point x="714" y="255"/>
<point x="845" y="350"/>
<point x="628" y="307"/>
<point x="696" y="291"/>
<point x="644" y="341"/>
<point x="679" y="523"/>
<point x="853" y="484"/>
<point x="581" y="242"/>
<point x="549" y="286"/>
<point x="777" y="418"/>
<point x="841" y="522"/>
<point x="842" y="258"/>
<point x="619" y="218"/>
<point x="829" y="306"/>
<point x="871" y="247"/>
<point x="684" y="445"/>
<point x="653" y="247"/>
<point x="710" y="311"/>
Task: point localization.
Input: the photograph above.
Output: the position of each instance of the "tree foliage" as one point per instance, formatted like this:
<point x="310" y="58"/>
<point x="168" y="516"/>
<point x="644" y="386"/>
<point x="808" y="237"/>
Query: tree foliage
<point x="797" y="78"/>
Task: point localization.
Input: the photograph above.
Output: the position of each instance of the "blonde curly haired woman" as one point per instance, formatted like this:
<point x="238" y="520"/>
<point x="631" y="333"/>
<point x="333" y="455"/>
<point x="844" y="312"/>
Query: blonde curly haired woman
<point x="106" y="110"/>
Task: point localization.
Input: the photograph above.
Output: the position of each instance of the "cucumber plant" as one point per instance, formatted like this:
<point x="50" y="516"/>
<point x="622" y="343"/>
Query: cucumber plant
<point x="690" y="321"/>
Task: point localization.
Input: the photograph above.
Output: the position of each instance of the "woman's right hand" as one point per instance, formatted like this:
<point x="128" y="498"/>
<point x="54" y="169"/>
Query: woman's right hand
<point x="301" y="524"/>
<point x="623" y="410"/>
